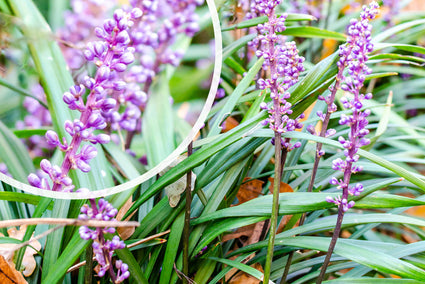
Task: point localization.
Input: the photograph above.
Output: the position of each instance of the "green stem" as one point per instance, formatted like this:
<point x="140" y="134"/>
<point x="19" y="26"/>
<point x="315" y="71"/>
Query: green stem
<point x="21" y="91"/>
<point x="88" y="270"/>
<point x="316" y="164"/>
<point x="275" y="207"/>
<point x="332" y="244"/>
<point x="186" y="228"/>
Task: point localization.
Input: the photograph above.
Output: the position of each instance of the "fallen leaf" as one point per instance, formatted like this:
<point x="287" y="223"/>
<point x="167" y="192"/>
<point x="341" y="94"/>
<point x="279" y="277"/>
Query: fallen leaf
<point x="9" y="275"/>
<point x="28" y="261"/>
<point x="251" y="232"/>
<point x="244" y="231"/>
<point x="125" y="232"/>
<point x="249" y="190"/>
<point x="255" y="235"/>
<point x="285" y="220"/>
<point x="418" y="211"/>
<point x="284" y="187"/>
<point x="229" y="123"/>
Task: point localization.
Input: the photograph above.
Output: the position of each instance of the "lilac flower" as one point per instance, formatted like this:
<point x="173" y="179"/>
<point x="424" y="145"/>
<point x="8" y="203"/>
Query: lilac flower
<point x="152" y="34"/>
<point x="111" y="55"/>
<point x="354" y="56"/>
<point x="156" y="31"/>
<point x="393" y="9"/>
<point x="307" y="7"/>
<point x="285" y="65"/>
<point x="80" y="22"/>
<point x="38" y="116"/>
<point x="4" y="169"/>
<point x="103" y="249"/>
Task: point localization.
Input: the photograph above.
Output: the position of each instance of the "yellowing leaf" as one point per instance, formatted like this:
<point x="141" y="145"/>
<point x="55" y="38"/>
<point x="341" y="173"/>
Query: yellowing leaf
<point x="28" y="261"/>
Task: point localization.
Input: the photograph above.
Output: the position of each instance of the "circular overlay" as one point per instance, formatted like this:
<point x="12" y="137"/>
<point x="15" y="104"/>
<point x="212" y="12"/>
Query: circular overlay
<point x="165" y="163"/>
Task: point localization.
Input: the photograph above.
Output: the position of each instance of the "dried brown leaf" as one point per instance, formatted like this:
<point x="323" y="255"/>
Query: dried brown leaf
<point x="229" y="123"/>
<point x="249" y="190"/>
<point x="28" y="261"/>
<point x="125" y="232"/>
<point x="9" y="275"/>
<point x="284" y="187"/>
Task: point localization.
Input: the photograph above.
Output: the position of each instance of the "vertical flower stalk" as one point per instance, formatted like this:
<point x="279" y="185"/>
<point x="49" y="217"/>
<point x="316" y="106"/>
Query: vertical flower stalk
<point x="111" y="55"/>
<point x="354" y="57"/>
<point x="103" y="249"/>
<point x="152" y="36"/>
<point x="80" y="23"/>
<point x="284" y="65"/>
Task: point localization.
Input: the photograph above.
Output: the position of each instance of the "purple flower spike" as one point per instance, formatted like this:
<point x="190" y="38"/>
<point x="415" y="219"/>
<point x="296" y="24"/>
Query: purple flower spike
<point x="110" y="55"/>
<point x="353" y="56"/>
<point x="285" y="65"/>
<point x="103" y="249"/>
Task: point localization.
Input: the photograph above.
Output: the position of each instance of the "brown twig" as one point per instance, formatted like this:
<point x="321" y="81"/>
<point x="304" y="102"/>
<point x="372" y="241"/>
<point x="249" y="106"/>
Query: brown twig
<point x="67" y="222"/>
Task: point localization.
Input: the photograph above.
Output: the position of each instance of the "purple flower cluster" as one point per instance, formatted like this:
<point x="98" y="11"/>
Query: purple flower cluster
<point x="393" y="9"/>
<point x="103" y="249"/>
<point x="307" y="7"/>
<point x="4" y="169"/>
<point x="38" y="116"/>
<point x="354" y="56"/>
<point x="155" y="32"/>
<point x="151" y="35"/>
<point x="80" y="22"/>
<point x="285" y="65"/>
<point x="111" y="56"/>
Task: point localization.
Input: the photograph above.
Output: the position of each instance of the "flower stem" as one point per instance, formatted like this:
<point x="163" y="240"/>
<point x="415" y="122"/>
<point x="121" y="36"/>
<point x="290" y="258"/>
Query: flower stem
<point x="331" y="248"/>
<point x="275" y="206"/>
<point x="316" y="163"/>
<point x="186" y="229"/>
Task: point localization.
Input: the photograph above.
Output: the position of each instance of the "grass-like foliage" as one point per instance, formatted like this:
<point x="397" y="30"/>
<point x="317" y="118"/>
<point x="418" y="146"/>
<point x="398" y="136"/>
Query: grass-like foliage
<point x="309" y="167"/>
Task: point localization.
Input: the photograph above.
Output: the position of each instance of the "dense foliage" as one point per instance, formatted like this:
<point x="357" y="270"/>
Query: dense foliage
<point x="307" y="168"/>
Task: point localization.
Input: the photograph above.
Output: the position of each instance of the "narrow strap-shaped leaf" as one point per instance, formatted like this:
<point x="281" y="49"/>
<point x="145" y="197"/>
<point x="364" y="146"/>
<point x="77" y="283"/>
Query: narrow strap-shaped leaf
<point x="313" y="32"/>
<point x="380" y="261"/>
<point x="67" y="258"/>
<point x="234" y="97"/>
<point x="262" y="19"/>
<point x="368" y="280"/>
<point x="198" y="158"/>
<point x="22" y="197"/>
<point x="14" y="154"/>
<point x="291" y="203"/>
<point x="413" y="178"/>
<point x="171" y="250"/>
<point x="158" y="133"/>
<point x="243" y="267"/>
<point x="136" y="273"/>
